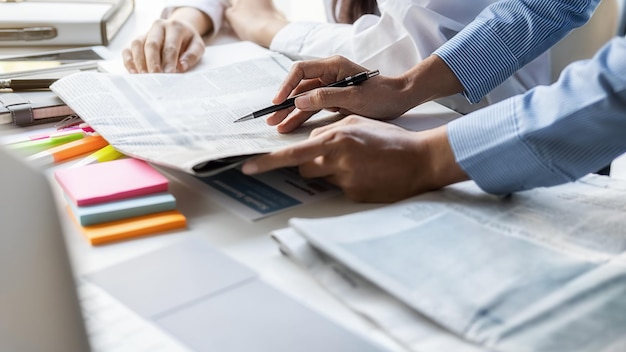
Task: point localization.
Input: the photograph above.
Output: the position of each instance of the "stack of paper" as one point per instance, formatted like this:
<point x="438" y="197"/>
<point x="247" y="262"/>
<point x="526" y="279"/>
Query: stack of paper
<point x="119" y="199"/>
<point x="185" y="121"/>
<point x="542" y="270"/>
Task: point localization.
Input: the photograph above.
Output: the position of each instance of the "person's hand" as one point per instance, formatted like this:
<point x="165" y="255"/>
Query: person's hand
<point x="171" y="45"/>
<point x="370" y="160"/>
<point x="257" y="21"/>
<point x="380" y="97"/>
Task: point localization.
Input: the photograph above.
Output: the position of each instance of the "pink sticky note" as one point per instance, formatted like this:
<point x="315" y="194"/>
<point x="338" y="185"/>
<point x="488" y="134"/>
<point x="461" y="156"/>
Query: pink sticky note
<point x="112" y="180"/>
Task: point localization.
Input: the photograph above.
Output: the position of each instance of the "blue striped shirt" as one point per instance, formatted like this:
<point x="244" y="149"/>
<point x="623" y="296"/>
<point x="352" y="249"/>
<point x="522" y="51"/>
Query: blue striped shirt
<point x="506" y="36"/>
<point x="551" y="134"/>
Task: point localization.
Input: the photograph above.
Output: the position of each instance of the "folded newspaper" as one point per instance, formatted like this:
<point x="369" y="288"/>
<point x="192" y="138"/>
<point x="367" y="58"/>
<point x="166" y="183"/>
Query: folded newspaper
<point x="460" y="270"/>
<point x="186" y="121"/>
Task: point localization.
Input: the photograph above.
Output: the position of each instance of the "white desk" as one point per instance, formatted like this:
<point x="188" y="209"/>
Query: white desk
<point x="248" y="242"/>
<point x="245" y="241"/>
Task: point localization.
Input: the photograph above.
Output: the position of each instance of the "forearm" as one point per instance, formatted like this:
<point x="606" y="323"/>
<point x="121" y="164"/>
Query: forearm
<point x="268" y="30"/>
<point x="255" y="20"/>
<point x="200" y="21"/>
<point x="426" y="81"/>
<point x="441" y="166"/>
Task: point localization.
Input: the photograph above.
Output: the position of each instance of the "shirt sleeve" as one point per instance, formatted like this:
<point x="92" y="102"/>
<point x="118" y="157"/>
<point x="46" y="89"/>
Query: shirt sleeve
<point x="400" y="36"/>
<point x="552" y="134"/>
<point x="404" y="33"/>
<point x="212" y="8"/>
<point x="506" y="36"/>
<point x="370" y="42"/>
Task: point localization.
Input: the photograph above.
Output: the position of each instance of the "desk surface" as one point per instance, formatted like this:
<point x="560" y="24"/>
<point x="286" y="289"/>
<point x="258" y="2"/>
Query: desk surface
<point x="249" y="242"/>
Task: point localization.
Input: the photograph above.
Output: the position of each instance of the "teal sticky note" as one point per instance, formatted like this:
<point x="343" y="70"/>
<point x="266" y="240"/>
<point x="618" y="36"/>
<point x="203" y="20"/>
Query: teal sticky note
<point x="123" y="209"/>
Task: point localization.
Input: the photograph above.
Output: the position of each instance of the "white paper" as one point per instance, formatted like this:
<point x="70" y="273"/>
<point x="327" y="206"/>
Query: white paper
<point x="259" y="196"/>
<point x="214" y="56"/>
<point x="254" y="197"/>
<point x="184" y="120"/>
<point x="408" y="327"/>
<point x="542" y="270"/>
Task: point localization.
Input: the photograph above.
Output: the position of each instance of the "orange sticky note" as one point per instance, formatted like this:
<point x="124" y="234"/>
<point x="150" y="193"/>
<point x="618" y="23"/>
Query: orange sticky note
<point x="132" y="227"/>
<point x="69" y="150"/>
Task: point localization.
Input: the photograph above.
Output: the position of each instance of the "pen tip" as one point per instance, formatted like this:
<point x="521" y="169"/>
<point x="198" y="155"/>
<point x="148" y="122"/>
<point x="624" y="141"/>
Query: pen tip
<point x="245" y="118"/>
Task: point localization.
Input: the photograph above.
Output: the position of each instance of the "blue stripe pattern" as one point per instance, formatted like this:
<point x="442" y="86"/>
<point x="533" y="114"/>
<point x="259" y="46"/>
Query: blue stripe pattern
<point x="506" y="36"/>
<point x="551" y="134"/>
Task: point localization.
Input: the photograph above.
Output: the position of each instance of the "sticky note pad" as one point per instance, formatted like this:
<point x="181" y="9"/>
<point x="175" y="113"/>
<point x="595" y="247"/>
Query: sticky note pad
<point x="133" y="227"/>
<point x="123" y="209"/>
<point x="109" y="181"/>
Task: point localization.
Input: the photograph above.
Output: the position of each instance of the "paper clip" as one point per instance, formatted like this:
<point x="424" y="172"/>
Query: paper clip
<point x="68" y="121"/>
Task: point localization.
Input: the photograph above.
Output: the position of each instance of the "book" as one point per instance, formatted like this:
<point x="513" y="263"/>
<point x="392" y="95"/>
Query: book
<point x="31" y="108"/>
<point x="69" y="23"/>
<point x="110" y="181"/>
<point x="52" y="64"/>
<point x="123" y="209"/>
<point x="186" y="121"/>
<point x="132" y="227"/>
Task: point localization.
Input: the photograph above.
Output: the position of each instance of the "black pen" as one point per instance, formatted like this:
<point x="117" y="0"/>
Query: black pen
<point x="25" y="84"/>
<point x="348" y="81"/>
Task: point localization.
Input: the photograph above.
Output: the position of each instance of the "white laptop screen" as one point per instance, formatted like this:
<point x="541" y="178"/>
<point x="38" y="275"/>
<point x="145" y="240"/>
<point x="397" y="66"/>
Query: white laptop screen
<point x="39" y="310"/>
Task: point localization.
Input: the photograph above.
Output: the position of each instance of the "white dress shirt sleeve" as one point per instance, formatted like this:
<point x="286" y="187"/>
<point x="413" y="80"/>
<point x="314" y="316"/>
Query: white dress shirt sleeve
<point x="403" y="34"/>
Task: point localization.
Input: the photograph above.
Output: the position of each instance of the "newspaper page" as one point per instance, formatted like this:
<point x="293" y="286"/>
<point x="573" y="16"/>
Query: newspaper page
<point x="541" y="270"/>
<point x="185" y="120"/>
<point x="408" y="327"/>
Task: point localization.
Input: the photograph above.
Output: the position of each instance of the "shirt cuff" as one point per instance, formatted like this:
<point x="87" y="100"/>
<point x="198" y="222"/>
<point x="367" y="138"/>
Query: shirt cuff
<point x="214" y="9"/>
<point x="479" y="59"/>
<point x="488" y="147"/>
<point x="290" y="39"/>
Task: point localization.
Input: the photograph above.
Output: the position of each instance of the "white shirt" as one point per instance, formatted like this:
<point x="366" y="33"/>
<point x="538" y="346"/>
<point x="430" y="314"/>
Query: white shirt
<point x="406" y="32"/>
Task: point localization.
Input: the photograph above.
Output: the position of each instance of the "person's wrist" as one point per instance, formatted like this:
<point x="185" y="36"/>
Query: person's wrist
<point x="269" y="31"/>
<point x="429" y="80"/>
<point x="198" y="20"/>
<point x="442" y="169"/>
<point x="406" y="93"/>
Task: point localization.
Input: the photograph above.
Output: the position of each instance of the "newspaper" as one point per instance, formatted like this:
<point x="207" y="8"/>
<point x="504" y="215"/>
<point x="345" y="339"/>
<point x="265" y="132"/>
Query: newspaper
<point x="185" y="121"/>
<point x="541" y="270"/>
<point x="407" y="327"/>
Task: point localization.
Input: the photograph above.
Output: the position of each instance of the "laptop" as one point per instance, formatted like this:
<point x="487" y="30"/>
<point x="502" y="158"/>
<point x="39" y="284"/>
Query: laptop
<point x="187" y="296"/>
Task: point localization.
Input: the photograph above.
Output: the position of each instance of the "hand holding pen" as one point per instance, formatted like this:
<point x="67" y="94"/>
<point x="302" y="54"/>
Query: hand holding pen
<point x="346" y="82"/>
<point x="383" y="98"/>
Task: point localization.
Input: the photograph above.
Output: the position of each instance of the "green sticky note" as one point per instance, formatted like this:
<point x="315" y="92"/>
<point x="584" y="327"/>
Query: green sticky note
<point x="38" y="145"/>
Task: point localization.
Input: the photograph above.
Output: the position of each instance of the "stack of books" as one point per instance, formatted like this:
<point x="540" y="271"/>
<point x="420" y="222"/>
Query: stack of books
<point x="119" y="199"/>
